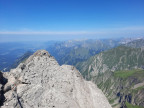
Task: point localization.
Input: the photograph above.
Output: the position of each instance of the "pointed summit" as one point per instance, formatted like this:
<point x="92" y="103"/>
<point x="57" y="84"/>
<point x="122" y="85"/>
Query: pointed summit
<point x="41" y="53"/>
<point x="41" y="82"/>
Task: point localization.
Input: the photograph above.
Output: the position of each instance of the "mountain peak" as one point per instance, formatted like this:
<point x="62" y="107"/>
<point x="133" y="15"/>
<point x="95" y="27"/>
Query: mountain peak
<point x="41" y="53"/>
<point x="40" y="56"/>
<point x="41" y="82"/>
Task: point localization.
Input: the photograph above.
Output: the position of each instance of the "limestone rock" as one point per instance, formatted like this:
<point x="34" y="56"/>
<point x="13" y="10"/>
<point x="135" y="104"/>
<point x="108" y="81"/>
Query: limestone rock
<point x="40" y="82"/>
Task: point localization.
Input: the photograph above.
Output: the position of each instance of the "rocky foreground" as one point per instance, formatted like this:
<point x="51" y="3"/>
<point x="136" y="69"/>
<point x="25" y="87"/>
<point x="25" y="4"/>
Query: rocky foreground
<point x="40" y="82"/>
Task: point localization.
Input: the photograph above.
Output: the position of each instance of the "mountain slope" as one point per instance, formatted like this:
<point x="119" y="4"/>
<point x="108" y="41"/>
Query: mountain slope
<point x="10" y="52"/>
<point x="41" y="82"/>
<point x="118" y="58"/>
<point x="20" y="59"/>
<point x="119" y="74"/>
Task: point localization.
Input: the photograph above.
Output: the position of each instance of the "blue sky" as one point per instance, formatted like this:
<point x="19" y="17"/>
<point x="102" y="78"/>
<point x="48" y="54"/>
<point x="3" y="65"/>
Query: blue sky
<point x="68" y="19"/>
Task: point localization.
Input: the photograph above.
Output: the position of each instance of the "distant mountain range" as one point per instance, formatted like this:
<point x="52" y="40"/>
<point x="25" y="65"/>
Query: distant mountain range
<point x="11" y="52"/>
<point x="115" y="65"/>
<point x="66" y="52"/>
<point x="71" y="52"/>
<point x="139" y="43"/>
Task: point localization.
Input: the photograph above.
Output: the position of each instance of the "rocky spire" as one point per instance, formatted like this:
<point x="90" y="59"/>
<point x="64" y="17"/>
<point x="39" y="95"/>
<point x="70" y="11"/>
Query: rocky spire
<point x="40" y="82"/>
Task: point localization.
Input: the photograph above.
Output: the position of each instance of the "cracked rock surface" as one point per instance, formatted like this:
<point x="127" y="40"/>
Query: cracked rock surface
<point x="40" y="82"/>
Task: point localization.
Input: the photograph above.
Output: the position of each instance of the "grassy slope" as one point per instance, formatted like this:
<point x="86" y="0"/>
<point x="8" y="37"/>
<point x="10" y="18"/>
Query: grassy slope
<point x="125" y="60"/>
<point x="128" y="73"/>
<point x="132" y="106"/>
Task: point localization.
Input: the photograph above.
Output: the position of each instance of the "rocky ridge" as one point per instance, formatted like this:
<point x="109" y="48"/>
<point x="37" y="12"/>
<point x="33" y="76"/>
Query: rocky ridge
<point x="40" y="82"/>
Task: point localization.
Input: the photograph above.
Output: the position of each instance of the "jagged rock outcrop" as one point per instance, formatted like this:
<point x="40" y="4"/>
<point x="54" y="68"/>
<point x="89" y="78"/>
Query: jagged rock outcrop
<point x="40" y="82"/>
<point x="3" y="81"/>
<point x="1" y="85"/>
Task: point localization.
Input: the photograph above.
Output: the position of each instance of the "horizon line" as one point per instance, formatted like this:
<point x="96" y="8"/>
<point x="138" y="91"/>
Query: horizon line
<point x="100" y="31"/>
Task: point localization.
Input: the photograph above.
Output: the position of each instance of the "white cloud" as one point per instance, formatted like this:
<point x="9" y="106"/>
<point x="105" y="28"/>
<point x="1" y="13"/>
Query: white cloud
<point x="96" y="32"/>
<point x="48" y="33"/>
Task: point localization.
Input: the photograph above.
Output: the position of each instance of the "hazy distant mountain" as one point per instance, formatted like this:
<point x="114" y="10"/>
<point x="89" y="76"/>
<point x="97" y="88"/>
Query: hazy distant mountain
<point x="119" y="73"/>
<point x="11" y="52"/>
<point x="139" y="43"/>
<point x="20" y="60"/>
<point x="65" y="52"/>
<point x="128" y="40"/>
<point x="73" y="51"/>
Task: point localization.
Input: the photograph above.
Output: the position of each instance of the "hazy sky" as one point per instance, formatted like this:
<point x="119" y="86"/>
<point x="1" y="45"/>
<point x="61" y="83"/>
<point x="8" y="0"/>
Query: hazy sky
<point x="69" y="19"/>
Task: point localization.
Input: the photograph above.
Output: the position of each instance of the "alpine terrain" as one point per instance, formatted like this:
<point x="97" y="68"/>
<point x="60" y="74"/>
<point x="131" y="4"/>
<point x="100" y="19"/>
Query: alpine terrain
<point x="119" y="73"/>
<point x="40" y="82"/>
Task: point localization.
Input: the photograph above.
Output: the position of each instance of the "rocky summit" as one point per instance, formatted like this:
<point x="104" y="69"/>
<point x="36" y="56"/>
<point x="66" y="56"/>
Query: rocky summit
<point x="40" y="82"/>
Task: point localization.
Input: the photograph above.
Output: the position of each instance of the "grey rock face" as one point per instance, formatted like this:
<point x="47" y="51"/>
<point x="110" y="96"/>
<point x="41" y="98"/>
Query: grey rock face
<point x="2" y="83"/>
<point x="41" y="83"/>
<point x="1" y="88"/>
